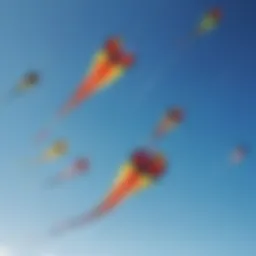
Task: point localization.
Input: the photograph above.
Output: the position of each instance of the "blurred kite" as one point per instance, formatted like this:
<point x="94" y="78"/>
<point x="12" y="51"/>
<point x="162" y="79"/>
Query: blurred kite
<point x="239" y="154"/>
<point x="55" y="151"/>
<point x="79" y="167"/>
<point x="108" y="65"/>
<point x="172" y="118"/>
<point x="143" y="169"/>
<point x="29" y="81"/>
<point x="209" y="22"/>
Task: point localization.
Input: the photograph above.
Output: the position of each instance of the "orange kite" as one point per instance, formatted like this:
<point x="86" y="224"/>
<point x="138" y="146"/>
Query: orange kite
<point x="143" y="169"/>
<point x="109" y="64"/>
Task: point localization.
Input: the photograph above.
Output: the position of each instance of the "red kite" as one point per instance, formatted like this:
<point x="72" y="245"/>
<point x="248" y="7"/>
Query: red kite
<point x="109" y="64"/>
<point x="142" y="170"/>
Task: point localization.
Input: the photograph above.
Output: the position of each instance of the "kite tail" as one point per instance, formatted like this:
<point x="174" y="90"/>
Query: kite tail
<point x="59" y="178"/>
<point x="163" y="130"/>
<point x="115" y="197"/>
<point x="155" y="138"/>
<point x="153" y="141"/>
<point x="86" y="89"/>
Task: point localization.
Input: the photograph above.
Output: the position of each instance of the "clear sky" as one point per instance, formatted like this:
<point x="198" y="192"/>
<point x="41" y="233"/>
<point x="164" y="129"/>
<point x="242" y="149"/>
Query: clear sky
<point x="201" y="207"/>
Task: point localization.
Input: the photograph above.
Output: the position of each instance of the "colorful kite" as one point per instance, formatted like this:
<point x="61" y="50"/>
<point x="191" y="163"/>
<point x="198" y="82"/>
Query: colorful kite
<point x="208" y="23"/>
<point x="143" y="169"/>
<point x="57" y="150"/>
<point x="239" y="154"/>
<point x="79" y="167"/>
<point x="29" y="81"/>
<point x="109" y="64"/>
<point x="172" y="118"/>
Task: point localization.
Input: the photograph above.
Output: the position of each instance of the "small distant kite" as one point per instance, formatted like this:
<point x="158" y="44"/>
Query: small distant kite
<point x="79" y="167"/>
<point x="109" y="64"/>
<point x="171" y="119"/>
<point x="239" y="154"/>
<point x="143" y="169"/>
<point x="207" y="24"/>
<point x="55" y="151"/>
<point x="29" y="81"/>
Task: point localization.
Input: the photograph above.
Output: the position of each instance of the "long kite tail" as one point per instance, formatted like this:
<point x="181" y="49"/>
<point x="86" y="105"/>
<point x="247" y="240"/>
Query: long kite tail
<point x="89" y="86"/>
<point x="121" y="191"/>
<point x="84" y="91"/>
<point x="153" y="142"/>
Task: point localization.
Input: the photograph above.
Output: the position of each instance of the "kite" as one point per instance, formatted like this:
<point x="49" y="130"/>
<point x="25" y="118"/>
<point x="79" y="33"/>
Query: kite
<point x="79" y="167"/>
<point x="207" y="24"/>
<point x="239" y="154"/>
<point x="108" y="65"/>
<point x="143" y="169"/>
<point x="29" y="81"/>
<point x="172" y="118"/>
<point x="55" y="151"/>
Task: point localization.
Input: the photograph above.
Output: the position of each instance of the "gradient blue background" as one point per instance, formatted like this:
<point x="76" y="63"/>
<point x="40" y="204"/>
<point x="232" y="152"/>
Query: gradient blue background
<point x="201" y="207"/>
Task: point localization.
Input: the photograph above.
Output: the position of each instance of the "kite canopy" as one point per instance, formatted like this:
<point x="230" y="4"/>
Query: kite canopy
<point x="176" y="114"/>
<point x="116" y="53"/>
<point x="239" y="153"/>
<point x="210" y="21"/>
<point x="149" y="163"/>
<point x="82" y="164"/>
<point x="243" y="149"/>
<point x="32" y="77"/>
<point x="216" y="13"/>
<point x="113" y="45"/>
<point x="60" y="147"/>
<point x="30" y="80"/>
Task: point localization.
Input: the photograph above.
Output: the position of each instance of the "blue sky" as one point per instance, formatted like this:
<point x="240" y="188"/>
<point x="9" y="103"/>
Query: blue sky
<point x="200" y="207"/>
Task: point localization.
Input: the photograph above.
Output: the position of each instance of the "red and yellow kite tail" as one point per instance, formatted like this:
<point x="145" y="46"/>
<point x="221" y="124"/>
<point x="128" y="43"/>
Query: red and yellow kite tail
<point x="122" y="190"/>
<point x="87" y="88"/>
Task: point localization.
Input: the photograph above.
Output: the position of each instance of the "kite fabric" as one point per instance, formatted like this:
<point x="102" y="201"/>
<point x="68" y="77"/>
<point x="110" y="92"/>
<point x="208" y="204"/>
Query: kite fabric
<point x="171" y="119"/>
<point x="210" y="21"/>
<point x="79" y="167"/>
<point x="142" y="170"/>
<point x="239" y="154"/>
<point x="108" y="65"/>
<point x="29" y="81"/>
<point x="55" y="151"/>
